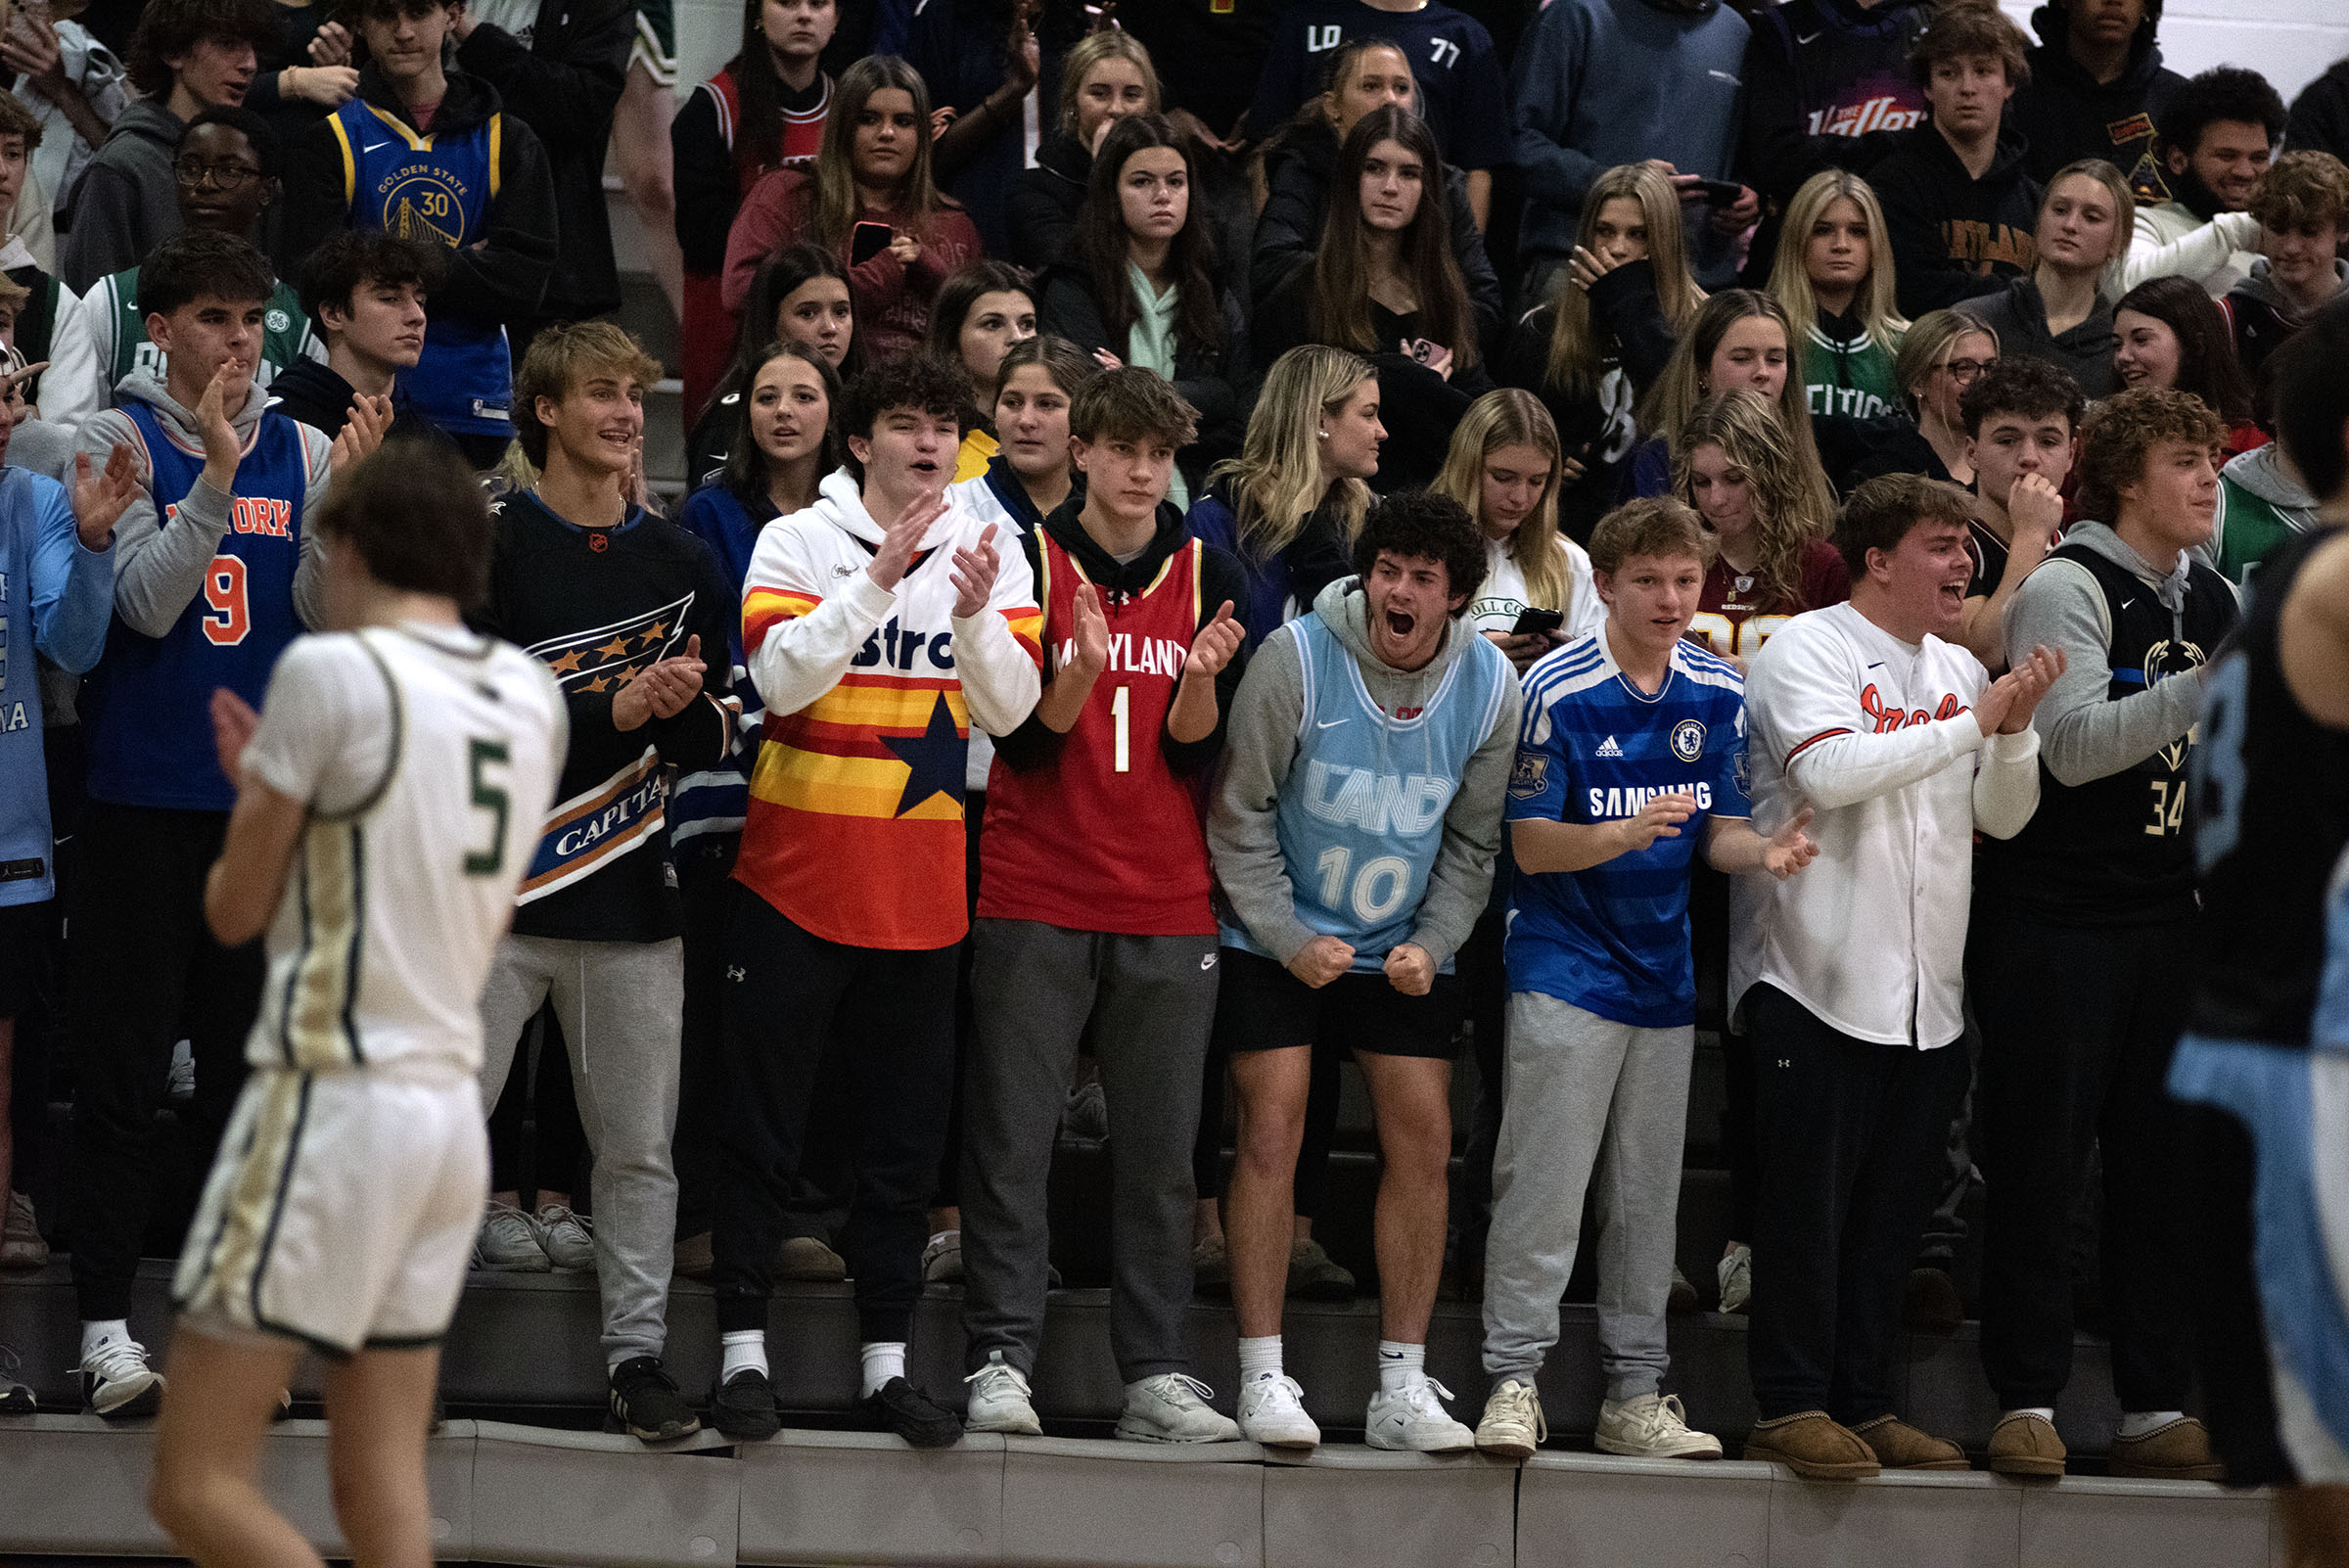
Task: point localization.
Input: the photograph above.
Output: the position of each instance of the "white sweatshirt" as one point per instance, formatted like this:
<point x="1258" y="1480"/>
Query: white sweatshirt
<point x="2170" y="240"/>
<point x="1878" y="736"/>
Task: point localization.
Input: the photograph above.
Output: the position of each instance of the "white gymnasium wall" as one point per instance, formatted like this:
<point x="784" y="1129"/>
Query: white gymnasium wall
<point x="2289" y="42"/>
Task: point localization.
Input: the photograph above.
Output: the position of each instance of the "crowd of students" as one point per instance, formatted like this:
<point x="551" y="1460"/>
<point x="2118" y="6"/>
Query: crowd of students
<point x="1684" y="516"/>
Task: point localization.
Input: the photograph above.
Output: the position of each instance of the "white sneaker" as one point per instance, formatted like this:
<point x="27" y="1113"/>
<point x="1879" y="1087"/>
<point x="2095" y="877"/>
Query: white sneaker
<point x="509" y="1243"/>
<point x="1651" y="1428"/>
<point x="119" y="1383"/>
<point x="1512" y="1426"/>
<point x="564" y="1237"/>
<point x="20" y="1243"/>
<point x="1737" y="1271"/>
<point x="999" y="1399"/>
<point x="1416" y="1420"/>
<point x="1272" y="1413"/>
<point x="1172" y="1407"/>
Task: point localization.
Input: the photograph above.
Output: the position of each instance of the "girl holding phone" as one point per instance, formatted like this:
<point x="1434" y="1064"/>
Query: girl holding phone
<point x="871" y="176"/>
<point x="1503" y="468"/>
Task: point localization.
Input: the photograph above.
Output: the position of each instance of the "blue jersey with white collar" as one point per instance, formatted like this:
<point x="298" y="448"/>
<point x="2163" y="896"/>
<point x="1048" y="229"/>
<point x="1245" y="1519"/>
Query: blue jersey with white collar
<point x="1593" y="748"/>
<point x="1361" y="816"/>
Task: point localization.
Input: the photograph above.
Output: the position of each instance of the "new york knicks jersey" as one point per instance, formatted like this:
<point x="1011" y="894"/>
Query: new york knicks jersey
<point x="427" y="755"/>
<point x="1361" y="816"/>
<point x="434" y="190"/>
<point x="147" y="709"/>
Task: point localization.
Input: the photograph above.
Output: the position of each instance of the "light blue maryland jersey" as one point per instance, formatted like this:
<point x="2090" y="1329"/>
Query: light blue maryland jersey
<point x="1361" y="816"/>
<point x="434" y="190"/>
<point x="1593" y="748"/>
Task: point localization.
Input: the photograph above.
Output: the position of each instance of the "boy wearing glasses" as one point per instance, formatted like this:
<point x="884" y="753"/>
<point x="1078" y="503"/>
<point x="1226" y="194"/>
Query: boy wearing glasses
<point x="225" y="174"/>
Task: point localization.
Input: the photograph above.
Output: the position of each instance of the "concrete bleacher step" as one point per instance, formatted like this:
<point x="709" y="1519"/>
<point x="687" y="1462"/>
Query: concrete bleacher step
<point x="530" y="1342"/>
<point x="508" y="1494"/>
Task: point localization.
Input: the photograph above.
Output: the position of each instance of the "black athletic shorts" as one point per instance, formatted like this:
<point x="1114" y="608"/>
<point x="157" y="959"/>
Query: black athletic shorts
<point x="1261" y="1008"/>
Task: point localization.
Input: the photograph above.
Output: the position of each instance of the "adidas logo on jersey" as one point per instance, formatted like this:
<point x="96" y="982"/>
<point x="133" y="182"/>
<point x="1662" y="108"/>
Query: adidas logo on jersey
<point x="1608" y="748"/>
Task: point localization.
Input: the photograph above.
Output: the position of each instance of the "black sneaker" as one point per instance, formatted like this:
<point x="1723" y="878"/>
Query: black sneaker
<point x="646" y="1401"/>
<point x="901" y="1408"/>
<point x="743" y="1407"/>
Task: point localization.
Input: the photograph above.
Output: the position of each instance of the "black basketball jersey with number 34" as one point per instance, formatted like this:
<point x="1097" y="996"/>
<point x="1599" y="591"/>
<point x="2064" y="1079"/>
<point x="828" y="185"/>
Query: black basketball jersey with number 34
<point x="2271" y="809"/>
<point x="2114" y="850"/>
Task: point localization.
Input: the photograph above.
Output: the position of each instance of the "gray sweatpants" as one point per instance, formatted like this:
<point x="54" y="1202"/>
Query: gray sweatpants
<point x="1584" y="1091"/>
<point x="1034" y="987"/>
<point x="622" y="1004"/>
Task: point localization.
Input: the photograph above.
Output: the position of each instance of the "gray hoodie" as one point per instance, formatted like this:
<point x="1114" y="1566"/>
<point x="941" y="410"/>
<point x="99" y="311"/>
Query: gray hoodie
<point x="130" y="200"/>
<point x="1260" y="749"/>
<point x="159" y="567"/>
<point x="2083" y="735"/>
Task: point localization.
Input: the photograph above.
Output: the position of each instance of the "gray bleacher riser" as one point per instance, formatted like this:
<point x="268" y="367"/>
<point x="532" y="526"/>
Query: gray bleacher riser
<point x="530" y="1341"/>
<point x="73" y="1485"/>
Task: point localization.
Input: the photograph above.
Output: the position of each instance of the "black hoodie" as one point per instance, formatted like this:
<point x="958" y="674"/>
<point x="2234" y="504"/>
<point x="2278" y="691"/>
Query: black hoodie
<point x="1827" y="85"/>
<point x="2064" y="115"/>
<point x="1220" y="583"/>
<point x="503" y="279"/>
<point x="1954" y="236"/>
<point x="1042" y="203"/>
<point x="2320" y="119"/>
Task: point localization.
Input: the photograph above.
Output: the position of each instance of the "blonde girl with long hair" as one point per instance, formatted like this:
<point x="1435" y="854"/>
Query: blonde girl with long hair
<point x="1736" y="467"/>
<point x="1594" y="349"/>
<point x="2062" y="311"/>
<point x="1833" y="274"/>
<point x="1290" y="505"/>
<point x="1104" y="77"/>
<point x="1740" y="338"/>
<point x="872" y="170"/>
<point x="1503" y="468"/>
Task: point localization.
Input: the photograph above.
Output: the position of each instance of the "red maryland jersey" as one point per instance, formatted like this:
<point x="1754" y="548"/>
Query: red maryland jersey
<point x="1104" y="835"/>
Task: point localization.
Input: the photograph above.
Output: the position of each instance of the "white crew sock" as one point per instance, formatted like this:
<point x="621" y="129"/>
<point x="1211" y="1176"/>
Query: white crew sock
<point x="743" y="1350"/>
<point x="2046" y="1413"/>
<point x="1260" y="1358"/>
<point x="101" y="1331"/>
<point x="2136" y="1423"/>
<point x="883" y="1361"/>
<point x="1400" y="1366"/>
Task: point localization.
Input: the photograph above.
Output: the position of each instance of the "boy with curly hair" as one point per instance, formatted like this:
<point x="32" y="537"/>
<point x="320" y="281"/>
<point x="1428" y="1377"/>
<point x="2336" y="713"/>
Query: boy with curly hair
<point x="2302" y="205"/>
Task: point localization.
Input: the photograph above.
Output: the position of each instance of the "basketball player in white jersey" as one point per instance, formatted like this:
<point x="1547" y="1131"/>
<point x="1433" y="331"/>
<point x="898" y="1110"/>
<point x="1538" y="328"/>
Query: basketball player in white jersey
<point x="389" y="794"/>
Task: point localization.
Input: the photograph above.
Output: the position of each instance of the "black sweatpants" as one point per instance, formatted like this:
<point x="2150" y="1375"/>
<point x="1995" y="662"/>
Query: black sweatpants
<point x="2078" y="1024"/>
<point x="788" y="992"/>
<point x="1851" y="1136"/>
<point x="143" y="973"/>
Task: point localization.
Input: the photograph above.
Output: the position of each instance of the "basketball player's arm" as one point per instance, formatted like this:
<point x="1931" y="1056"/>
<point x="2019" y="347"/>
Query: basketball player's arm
<point x="2312" y="641"/>
<point x="1243" y="835"/>
<point x="1460" y="882"/>
<point x="241" y="893"/>
<point x="2084" y="734"/>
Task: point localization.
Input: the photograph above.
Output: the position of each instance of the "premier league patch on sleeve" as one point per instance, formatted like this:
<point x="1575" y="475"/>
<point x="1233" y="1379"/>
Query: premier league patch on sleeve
<point x="1531" y="776"/>
<point x="1743" y="771"/>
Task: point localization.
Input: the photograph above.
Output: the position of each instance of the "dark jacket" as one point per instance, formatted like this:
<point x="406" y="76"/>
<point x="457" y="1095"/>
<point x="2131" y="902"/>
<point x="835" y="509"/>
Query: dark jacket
<point x="1219" y="382"/>
<point x="1042" y="203"/>
<point x="1596" y="429"/>
<point x="1827" y="86"/>
<point x="504" y="278"/>
<point x="1297" y="178"/>
<point x="1317" y="556"/>
<point x="310" y="393"/>
<point x="2019" y="317"/>
<point x="2065" y="114"/>
<point x="2321" y="115"/>
<point x="1220" y="581"/>
<point x="128" y="202"/>
<point x="565" y="84"/>
<point x="1954" y="236"/>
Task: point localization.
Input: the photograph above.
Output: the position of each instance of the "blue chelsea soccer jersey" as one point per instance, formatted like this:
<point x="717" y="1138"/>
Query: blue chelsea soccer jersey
<point x="1361" y="816"/>
<point x="1613" y="940"/>
<point x="434" y="190"/>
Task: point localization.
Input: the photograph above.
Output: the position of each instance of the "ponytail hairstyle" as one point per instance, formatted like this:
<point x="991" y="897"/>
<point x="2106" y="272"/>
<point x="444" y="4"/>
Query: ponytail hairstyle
<point x="1101" y="240"/>
<point x="1790" y="277"/>
<point x="1512" y="417"/>
<point x="1683" y="385"/>
<point x="744" y="471"/>
<point x="1788" y="510"/>
<point x="1276" y="482"/>
<point x="1338" y="309"/>
<point x="1577" y="357"/>
<point x="837" y="204"/>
